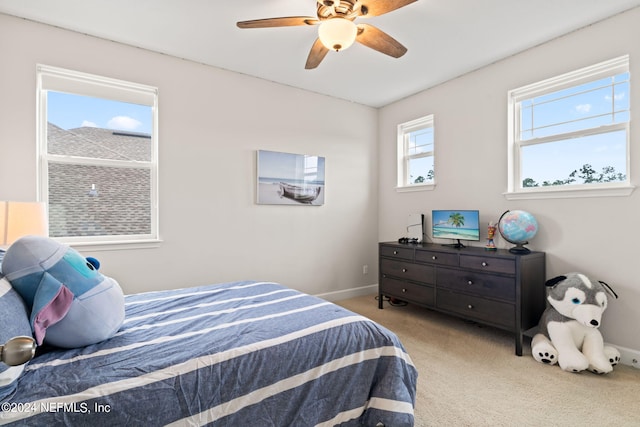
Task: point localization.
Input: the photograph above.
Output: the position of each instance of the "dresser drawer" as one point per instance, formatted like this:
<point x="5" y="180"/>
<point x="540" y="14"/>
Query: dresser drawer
<point x="407" y="270"/>
<point x="481" y="284"/>
<point x="493" y="312"/>
<point x="396" y="252"/>
<point x="438" y="258"/>
<point x="494" y="265"/>
<point x="413" y="292"/>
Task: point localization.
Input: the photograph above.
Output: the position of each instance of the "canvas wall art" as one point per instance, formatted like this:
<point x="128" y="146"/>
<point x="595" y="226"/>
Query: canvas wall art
<point x="290" y="179"/>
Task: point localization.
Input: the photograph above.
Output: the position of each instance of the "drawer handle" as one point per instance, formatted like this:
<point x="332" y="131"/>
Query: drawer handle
<point x="404" y="290"/>
<point x="470" y="307"/>
<point x="395" y="252"/>
<point x="484" y="264"/>
<point x="404" y="270"/>
<point x="470" y="282"/>
<point x="434" y="257"/>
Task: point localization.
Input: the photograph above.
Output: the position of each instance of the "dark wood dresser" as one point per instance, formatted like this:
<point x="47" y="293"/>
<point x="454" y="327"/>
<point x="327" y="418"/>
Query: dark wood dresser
<point x="495" y="288"/>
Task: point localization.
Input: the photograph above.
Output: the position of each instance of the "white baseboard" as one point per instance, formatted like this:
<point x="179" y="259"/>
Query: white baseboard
<point x="349" y="293"/>
<point x="628" y="356"/>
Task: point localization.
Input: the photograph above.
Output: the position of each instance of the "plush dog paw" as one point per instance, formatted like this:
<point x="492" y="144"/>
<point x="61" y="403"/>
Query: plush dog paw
<point x="600" y="366"/>
<point x="547" y="356"/>
<point x="543" y="351"/>
<point x="604" y="369"/>
<point x="604" y="363"/>
<point x="573" y="363"/>
<point x="612" y="354"/>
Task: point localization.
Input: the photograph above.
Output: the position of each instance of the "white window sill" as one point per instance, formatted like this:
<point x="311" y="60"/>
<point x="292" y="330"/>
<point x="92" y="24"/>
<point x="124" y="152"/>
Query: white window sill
<point x="114" y="246"/>
<point x="417" y="187"/>
<point x="569" y="193"/>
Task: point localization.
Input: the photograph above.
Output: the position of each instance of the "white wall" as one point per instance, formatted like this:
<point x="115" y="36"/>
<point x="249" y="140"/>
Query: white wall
<point x="596" y="236"/>
<point x="211" y="124"/>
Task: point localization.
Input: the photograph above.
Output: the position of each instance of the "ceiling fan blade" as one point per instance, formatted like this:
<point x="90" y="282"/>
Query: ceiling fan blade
<point x="290" y="21"/>
<point x="380" y="7"/>
<point x="376" y="39"/>
<point x="316" y="55"/>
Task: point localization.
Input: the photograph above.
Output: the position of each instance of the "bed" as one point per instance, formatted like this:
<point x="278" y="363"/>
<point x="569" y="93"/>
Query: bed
<point x="234" y="354"/>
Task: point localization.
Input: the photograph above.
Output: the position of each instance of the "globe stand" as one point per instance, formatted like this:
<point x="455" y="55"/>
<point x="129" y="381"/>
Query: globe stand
<point x="519" y="249"/>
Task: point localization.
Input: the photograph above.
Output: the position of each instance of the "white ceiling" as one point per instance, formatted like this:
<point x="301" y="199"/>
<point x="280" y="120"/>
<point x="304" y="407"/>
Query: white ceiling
<point x="445" y="38"/>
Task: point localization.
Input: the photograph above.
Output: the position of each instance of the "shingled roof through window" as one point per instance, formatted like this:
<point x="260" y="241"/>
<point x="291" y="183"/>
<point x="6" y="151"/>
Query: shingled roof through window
<point x="122" y="204"/>
<point x="99" y="143"/>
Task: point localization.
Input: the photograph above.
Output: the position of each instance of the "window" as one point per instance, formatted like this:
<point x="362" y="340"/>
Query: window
<point x="571" y="133"/>
<point x="416" y="155"/>
<point x="97" y="150"/>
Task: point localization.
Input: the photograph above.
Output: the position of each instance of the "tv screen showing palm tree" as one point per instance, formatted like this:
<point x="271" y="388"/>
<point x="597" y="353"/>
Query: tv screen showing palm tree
<point x="460" y="225"/>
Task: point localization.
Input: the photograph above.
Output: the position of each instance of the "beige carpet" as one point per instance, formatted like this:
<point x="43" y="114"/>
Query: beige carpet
<point x="469" y="376"/>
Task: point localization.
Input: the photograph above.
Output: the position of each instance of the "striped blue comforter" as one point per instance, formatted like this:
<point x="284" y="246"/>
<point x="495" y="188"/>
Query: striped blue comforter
<point x="235" y="354"/>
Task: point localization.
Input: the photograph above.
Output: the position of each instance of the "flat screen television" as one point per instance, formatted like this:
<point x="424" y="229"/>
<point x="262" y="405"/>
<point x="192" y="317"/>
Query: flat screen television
<point x="456" y="224"/>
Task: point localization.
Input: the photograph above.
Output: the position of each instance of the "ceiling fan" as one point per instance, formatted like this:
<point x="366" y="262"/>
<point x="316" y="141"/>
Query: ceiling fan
<point x="337" y="29"/>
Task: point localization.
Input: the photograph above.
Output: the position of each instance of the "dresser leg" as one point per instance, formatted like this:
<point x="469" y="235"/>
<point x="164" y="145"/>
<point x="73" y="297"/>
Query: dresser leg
<point x="519" y="343"/>
<point x="380" y="301"/>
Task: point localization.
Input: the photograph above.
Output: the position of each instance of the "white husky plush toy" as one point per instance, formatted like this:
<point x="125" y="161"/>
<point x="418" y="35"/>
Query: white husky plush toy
<point x="568" y="330"/>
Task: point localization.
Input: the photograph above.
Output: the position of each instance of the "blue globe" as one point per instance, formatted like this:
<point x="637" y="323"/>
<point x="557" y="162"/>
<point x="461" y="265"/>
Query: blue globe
<point x="518" y="227"/>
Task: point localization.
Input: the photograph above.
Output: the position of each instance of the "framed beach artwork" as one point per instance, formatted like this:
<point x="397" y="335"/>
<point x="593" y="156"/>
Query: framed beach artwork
<point x="290" y="179"/>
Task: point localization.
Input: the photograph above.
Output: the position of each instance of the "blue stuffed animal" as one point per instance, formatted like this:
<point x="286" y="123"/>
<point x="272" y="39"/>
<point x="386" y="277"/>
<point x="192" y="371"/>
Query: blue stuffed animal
<point x="71" y="303"/>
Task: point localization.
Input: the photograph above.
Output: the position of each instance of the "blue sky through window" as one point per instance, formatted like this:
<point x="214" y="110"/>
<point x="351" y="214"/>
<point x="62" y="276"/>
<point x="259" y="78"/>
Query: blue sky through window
<point x="587" y="106"/>
<point x="70" y="111"/>
<point x="555" y="161"/>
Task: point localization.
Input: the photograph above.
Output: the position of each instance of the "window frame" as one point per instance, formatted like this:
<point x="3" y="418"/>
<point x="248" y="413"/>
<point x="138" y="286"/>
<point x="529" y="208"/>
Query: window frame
<point x="588" y="74"/>
<point x="403" y="157"/>
<point x="57" y="79"/>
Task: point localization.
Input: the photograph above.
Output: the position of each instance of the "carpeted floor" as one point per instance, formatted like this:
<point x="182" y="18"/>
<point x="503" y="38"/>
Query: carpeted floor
<point x="469" y="375"/>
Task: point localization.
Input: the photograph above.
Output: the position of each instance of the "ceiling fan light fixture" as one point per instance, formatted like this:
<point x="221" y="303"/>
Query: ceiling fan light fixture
<point x="337" y="33"/>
